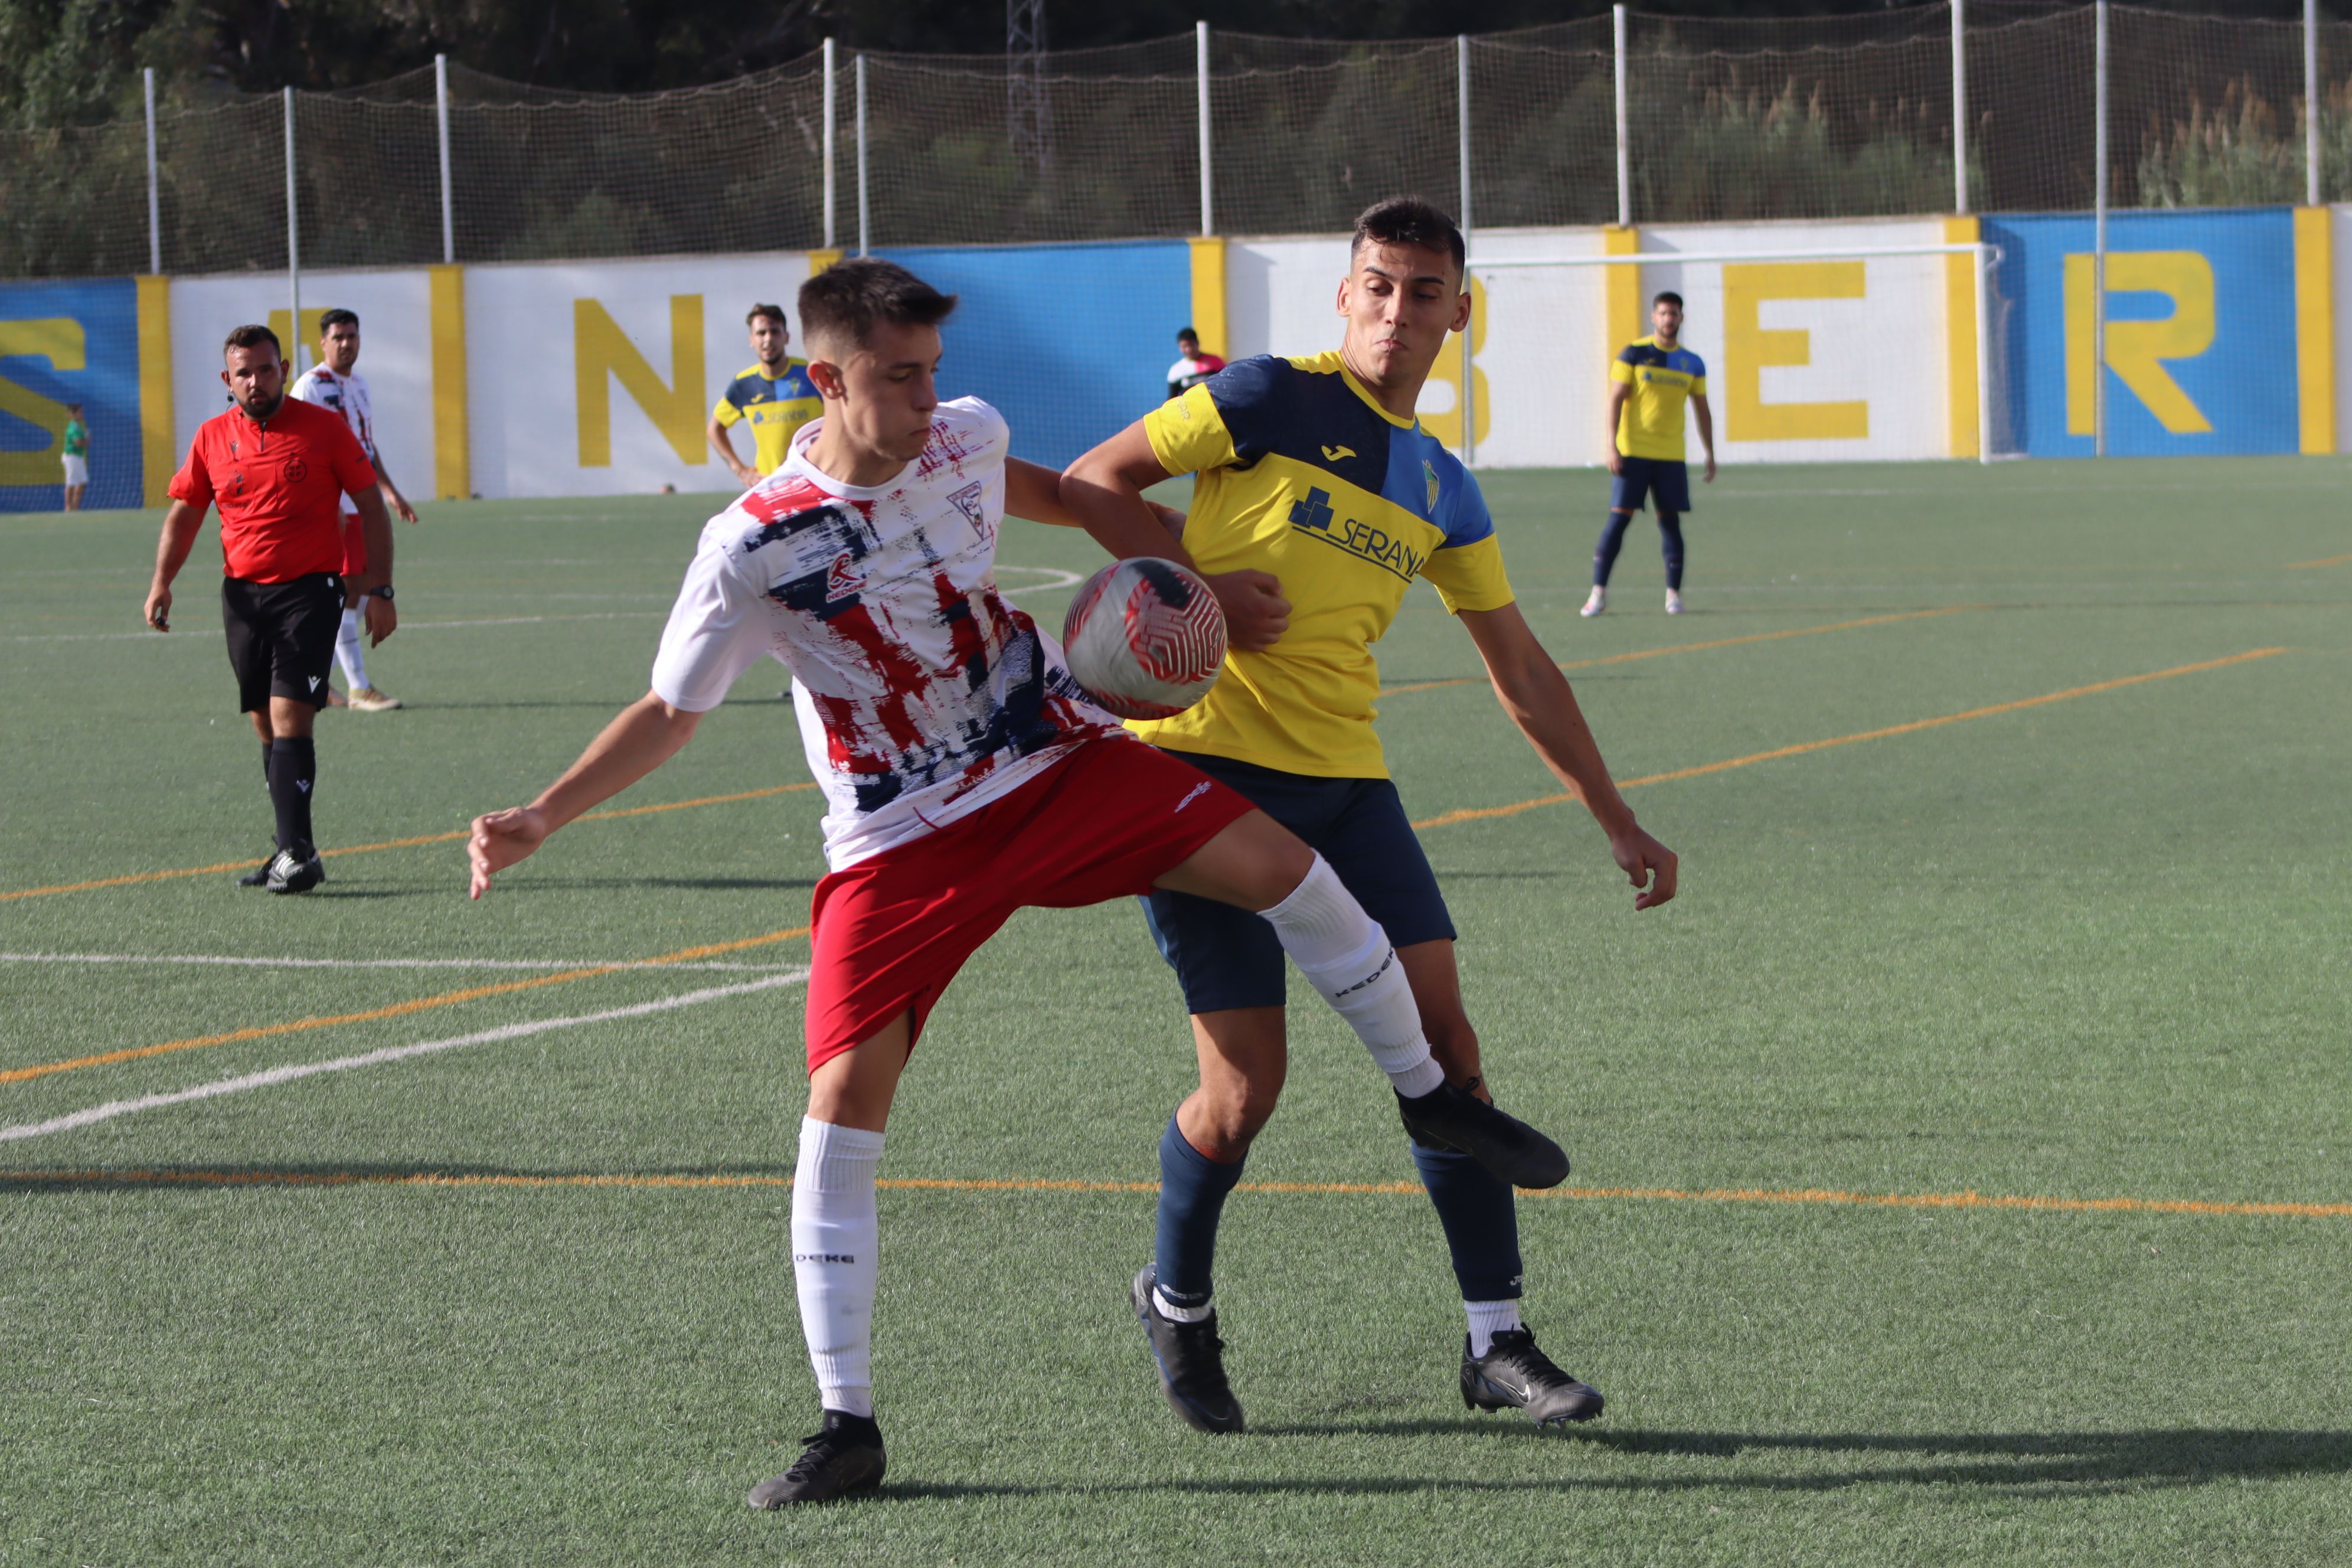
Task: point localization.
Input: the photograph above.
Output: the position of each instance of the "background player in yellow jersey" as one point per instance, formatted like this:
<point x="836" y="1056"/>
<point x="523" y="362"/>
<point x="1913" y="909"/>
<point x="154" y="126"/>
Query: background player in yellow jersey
<point x="1317" y="500"/>
<point x="1648" y="383"/>
<point x="775" y="395"/>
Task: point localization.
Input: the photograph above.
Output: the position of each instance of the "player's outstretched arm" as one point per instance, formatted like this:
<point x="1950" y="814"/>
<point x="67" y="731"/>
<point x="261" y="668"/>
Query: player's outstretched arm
<point x="645" y="735"/>
<point x="1104" y="490"/>
<point x="1034" y="492"/>
<point x="1536" y="696"/>
<point x="179" y="537"/>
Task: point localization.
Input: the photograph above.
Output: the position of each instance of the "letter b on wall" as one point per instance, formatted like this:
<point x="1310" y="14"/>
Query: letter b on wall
<point x="601" y="353"/>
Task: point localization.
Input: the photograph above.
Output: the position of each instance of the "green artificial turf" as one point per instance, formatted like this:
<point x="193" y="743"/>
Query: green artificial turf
<point x="2084" y="950"/>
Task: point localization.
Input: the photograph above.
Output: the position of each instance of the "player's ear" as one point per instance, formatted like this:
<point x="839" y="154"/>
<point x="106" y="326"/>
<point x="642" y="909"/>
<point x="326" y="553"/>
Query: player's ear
<point x="1344" y="283"/>
<point x="1461" y="308"/>
<point x="827" y="377"/>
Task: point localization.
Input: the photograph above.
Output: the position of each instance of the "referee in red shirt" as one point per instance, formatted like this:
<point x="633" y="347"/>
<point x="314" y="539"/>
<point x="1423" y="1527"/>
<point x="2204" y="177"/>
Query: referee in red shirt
<point x="276" y="466"/>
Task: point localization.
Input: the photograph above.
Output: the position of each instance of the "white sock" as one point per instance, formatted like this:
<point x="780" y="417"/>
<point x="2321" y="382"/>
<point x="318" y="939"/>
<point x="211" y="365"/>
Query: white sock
<point x="1176" y="1314"/>
<point x="1489" y="1318"/>
<point x="1346" y="957"/>
<point x="834" y="1233"/>
<point x="347" y="650"/>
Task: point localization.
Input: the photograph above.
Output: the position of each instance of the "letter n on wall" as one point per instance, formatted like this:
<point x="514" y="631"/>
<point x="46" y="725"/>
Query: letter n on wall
<point x="602" y="353"/>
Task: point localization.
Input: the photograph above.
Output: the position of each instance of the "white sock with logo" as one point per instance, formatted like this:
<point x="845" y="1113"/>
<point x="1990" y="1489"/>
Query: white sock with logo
<point x="1489" y="1318"/>
<point x="834" y="1232"/>
<point x="347" y="650"/>
<point x="1348" y="960"/>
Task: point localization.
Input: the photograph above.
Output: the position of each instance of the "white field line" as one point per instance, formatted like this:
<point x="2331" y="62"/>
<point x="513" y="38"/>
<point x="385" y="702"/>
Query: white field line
<point x="1060" y="579"/>
<point x="234" y="962"/>
<point x="295" y="1071"/>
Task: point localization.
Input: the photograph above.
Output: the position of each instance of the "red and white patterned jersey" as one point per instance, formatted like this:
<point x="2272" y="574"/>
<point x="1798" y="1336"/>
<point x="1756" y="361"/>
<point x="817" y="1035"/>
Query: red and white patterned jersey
<point x="923" y="693"/>
<point x="347" y="396"/>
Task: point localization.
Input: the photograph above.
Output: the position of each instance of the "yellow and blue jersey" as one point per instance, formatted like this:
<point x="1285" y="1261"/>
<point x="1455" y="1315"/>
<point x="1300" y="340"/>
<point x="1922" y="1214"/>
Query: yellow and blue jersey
<point x="1662" y="380"/>
<point x="1302" y="475"/>
<point x="777" y="407"/>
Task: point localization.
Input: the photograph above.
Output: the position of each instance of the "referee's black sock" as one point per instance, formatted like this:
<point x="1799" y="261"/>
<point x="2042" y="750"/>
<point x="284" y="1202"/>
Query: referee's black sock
<point x="293" y="769"/>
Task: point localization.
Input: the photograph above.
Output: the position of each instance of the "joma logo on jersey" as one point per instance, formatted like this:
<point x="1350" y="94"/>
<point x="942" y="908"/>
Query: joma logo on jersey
<point x="1312" y="514"/>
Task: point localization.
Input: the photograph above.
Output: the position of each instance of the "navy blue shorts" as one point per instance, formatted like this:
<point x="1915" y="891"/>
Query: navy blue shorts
<point x="1667" y="484"/>
<point x="1226" y="957"/>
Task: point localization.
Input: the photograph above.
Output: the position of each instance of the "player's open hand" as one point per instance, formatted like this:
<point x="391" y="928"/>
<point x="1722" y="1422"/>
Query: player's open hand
<point x="406" y="512"/>
<point x="382" y="619"/>
<point x="499" y="839"/>
<point x="1649" y="865"/>
<point x="158" y="607"/>
<point x="1256" y="613"/>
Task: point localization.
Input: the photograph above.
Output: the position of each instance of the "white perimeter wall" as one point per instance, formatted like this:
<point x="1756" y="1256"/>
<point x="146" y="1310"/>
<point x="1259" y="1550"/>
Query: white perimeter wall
<point x="522" y="349"/>
<point x="1543" y="357"/>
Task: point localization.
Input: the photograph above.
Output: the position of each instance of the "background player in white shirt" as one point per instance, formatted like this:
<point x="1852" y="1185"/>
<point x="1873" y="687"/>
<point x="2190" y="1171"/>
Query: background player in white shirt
<point x="333" y="383"/>
<point x="966" y="775"/>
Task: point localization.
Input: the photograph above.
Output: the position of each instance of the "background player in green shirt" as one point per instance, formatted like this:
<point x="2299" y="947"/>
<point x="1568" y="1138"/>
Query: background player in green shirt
<point x="1317" y="500"/>
<point x="77" y="456"/>
<point x="1648" y="383"/>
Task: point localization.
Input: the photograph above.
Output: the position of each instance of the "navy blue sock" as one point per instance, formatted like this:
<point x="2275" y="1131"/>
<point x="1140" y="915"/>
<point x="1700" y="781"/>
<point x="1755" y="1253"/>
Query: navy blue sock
<point x="1612" y="540"/>
<point x="293" y="769"/>
<point x="1481" y="1218"/>
<point x="1670" y="544"/>
<point x="1193" y="1189"/>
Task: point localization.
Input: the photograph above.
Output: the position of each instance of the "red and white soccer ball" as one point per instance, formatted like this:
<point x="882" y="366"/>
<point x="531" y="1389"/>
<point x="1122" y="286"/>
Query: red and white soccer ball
<point x="1145" y="637"/>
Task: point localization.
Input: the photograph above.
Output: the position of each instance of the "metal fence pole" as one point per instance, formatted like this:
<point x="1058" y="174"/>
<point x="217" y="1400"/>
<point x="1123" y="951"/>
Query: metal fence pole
<point x="2311" y="103"/>
<point x="155" y="203"/>
<point x="865" y="226"/>
<point x="1208" y="169"/>
<point x="1461" y="136"/>
<point x="1960" y="107"/>
<point x="831" y="93"/>
<point x="448" y="198"/>
<point x="1624" y="153"/>
<point x="293" y="346"/>
<point x="2099" y="246"/>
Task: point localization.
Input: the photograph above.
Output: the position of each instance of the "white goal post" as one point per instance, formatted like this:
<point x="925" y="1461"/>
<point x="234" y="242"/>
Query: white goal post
<point x="1790" y="336"/>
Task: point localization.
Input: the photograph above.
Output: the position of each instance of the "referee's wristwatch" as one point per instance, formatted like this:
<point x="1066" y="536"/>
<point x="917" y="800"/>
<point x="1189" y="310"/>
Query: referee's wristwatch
<point x="383" y="592"/>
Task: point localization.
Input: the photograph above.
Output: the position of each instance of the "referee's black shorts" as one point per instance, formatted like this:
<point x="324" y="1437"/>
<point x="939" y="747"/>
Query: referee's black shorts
<point x="281" y="638"/>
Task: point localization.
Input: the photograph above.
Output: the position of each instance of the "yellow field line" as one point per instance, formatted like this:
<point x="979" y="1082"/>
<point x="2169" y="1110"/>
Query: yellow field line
<point x="397" y="1009"/>
<point x="2331" y="561"/>
<point x="390" y="843"/>
<point x="1702" y="647"/>
<point x="1970" y="1199"/>
<point x="1802" y="748"/>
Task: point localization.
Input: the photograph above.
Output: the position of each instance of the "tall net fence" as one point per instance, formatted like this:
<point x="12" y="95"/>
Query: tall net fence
<point x="1796" y="118"/>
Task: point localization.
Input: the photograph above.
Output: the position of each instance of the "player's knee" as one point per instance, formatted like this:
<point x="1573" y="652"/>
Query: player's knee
<point x="1237" y="1109"/>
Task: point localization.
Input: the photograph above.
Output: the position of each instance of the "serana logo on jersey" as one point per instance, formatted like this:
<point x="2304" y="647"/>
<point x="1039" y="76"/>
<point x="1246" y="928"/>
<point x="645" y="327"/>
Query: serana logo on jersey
<point x="1312" y="515"/>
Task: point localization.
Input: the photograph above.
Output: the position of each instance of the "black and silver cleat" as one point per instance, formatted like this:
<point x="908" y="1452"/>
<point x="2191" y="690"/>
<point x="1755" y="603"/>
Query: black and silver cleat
<point x="1451" y="1118"/>
<point x="1514" y="1372"/>
<point x="1192" y="1361"/>
<point x="845" y="1457"/>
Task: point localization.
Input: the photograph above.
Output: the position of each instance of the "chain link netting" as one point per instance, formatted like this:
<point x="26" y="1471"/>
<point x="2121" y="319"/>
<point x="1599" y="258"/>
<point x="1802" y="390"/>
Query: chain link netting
<point x="1812" y="117"/>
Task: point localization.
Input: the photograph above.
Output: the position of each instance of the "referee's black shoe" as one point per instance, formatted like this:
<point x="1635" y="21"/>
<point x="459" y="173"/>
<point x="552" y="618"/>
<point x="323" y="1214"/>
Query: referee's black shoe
<point x="259" y="876"/>
<point x="1192" y="1361"/>
<point x="1455" y="1119"/>
<point x="1514" y="1372"/>
<point x="291" y="873"/>
<point x="845" y="1457"/>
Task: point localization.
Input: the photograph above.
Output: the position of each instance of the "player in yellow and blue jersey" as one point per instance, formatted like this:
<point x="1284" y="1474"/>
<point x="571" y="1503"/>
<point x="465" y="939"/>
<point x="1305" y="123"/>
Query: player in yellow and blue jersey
<point x="1317" y="500"/>
<point x="775" y="395"/>
<point x="1649" y="382"/>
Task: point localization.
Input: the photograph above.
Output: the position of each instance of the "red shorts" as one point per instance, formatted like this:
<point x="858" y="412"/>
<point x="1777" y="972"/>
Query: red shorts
<point x="355" y="545"/>
<point x="1104" y="823"/>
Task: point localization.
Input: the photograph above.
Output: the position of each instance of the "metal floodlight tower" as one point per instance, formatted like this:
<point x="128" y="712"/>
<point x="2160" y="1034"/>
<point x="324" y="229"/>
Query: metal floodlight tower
<point x="1028" y="117"/>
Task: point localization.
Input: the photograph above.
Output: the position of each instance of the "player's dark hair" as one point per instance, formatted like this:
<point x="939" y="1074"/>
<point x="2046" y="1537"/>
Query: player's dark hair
<point x="1666" y="297"/>
<point x="337" y="318"/>
<point x="773" y="312"/>
<point x="1187" y="334"/>
<point x="252" y="336"/>
<point x="850" y="298"/>
<point x="1409" y="220"/>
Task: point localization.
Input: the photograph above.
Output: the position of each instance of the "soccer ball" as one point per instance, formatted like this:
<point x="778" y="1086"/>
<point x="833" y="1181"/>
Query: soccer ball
<point x="1145" y="637"/>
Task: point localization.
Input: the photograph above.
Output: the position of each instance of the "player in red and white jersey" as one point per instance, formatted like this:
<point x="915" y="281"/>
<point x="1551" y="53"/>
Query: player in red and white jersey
<point x="967" y="774"/>
<point x="335" y="382"/>
<point x="923" y="693"/>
